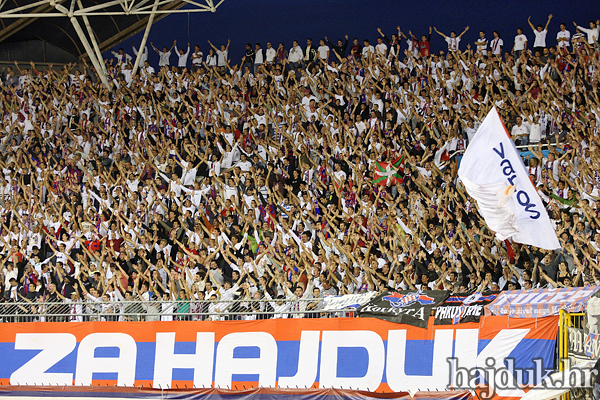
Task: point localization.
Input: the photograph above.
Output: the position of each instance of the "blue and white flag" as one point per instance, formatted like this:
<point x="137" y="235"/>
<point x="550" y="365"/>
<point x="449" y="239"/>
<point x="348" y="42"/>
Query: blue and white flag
<point x="494" y="175"/>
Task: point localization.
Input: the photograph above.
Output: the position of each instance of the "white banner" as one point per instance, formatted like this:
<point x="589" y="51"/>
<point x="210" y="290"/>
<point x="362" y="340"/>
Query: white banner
<point x="347" y="301"/>
<point x="494" y="174"/>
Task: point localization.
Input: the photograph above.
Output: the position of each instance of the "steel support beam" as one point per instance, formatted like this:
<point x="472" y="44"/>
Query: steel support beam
<point x="88" y="27"/>
<point x="139" y="4"/>
<point x="100" y="6"/>
<point x="145" y="38"/>
<point x="138" y="26"/>
<point x="164" y="12"/>
<point x="90" y="52"/>
<point x="146" y="15"/>
<point x="86" y="44"/>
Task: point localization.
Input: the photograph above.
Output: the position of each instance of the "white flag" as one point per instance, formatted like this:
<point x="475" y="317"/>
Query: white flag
<point x="494" y="175"/>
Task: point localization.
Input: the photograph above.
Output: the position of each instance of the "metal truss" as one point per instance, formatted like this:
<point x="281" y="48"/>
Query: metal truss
<point x="77" y="12"/>
<point x="127" y="7"/>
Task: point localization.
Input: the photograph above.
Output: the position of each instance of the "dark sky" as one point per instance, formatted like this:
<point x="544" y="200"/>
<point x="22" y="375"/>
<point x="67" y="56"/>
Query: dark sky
<point x="254" y="21"/>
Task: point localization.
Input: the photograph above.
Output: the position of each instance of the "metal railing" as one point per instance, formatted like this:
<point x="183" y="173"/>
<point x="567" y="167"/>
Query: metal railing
<point x="178" y="310"/>
<point x="566" y="321"/>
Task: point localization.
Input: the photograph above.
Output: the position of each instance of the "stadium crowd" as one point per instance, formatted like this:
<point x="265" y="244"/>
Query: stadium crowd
<point x="319" y="169"/>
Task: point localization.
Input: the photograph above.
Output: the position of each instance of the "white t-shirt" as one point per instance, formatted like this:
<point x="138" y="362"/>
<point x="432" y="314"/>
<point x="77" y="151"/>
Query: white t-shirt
<point x="182" y="62"/>
<point x="197" y="58"/>
<point x="471" y="133"/>
<point x="340" y="175"/>
<point x="381" y="48"/>
<point x="540" y="38"/>
<point x="244" y="166"/>
<point x="323" y="50"/>
<point x="270" y="54"/>
<point x="368" y="50"/>
<point x="496" y="46"/>
<point x="520" y="41"/>
<point x="452" y="43"/>
<point x="295" y="54"/>
<point x="519" y="130"/>
<point x="258" y="58"/>
<point x="563" y="35"/>
<point x="164" y="58"/>
<point x="221" y="58"/>
<point x="122" y="58"/>
<point x="592" y="34"/>
<point x="536" y="133"/>
<point x="482" y="45"/>
<point x="144" y="55"/>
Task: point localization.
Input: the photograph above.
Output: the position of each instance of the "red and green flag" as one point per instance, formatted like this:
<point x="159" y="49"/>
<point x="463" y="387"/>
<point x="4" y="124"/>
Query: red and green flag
<point x="389" y="173"/>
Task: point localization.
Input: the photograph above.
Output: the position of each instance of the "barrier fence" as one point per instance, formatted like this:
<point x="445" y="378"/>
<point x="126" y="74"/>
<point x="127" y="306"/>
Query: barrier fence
<point x="181" y="310"/>
<point x="567" y="320"/>
<point x="570" y="320"/>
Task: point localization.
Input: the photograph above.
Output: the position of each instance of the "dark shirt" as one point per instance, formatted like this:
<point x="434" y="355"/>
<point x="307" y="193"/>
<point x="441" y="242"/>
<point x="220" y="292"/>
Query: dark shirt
<point x="340" y="50"/>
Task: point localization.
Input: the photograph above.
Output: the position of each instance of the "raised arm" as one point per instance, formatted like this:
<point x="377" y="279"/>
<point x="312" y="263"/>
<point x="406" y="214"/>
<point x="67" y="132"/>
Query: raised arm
<point x="530" y="24"/>
<point x="213" y="46"/>
<point x="547" y="278"/>
<point x="438" y="32"/>
<point x="548" y="22"/>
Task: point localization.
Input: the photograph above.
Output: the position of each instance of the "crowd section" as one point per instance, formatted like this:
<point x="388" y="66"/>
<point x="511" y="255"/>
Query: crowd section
<point x="296" y="173"/>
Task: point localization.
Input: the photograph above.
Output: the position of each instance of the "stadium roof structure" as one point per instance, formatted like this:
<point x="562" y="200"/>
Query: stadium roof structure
<point x="85" y="28"/>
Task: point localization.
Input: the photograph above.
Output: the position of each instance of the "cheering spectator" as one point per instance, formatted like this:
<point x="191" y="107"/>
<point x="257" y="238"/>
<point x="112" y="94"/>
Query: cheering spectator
<point x="164" y="55"/>
<point x="452" y="40"/>
<point x="253" y="191"/>
<point x="540" y="33"/>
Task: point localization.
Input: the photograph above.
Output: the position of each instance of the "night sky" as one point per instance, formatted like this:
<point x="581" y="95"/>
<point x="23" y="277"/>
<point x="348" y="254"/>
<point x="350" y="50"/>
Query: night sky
<point x="283" y="21"/>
